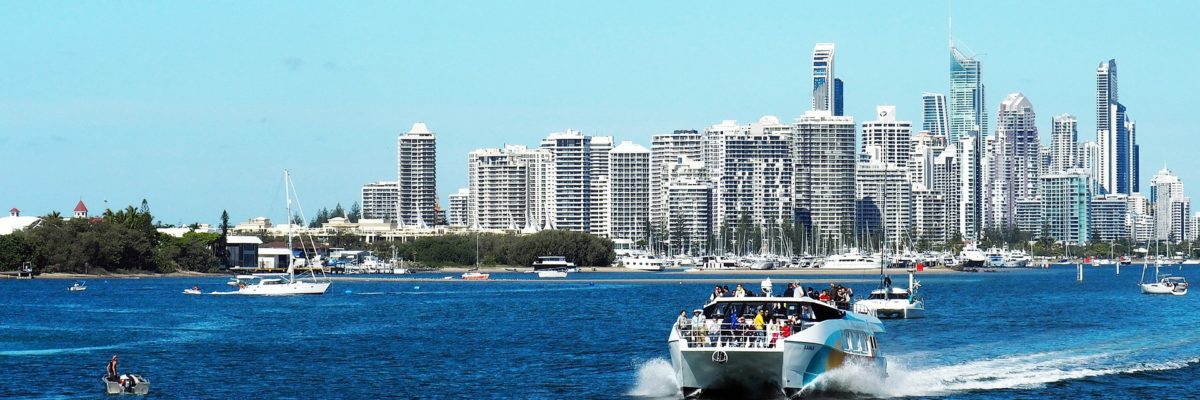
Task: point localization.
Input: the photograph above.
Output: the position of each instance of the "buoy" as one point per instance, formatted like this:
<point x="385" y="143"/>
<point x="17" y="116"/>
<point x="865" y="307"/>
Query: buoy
<point x="416" y="288"/>
<point x="348" y="291"/>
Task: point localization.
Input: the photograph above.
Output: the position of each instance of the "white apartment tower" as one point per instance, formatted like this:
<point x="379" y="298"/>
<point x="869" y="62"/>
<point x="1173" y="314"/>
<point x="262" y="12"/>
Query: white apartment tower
<point x="629" y="188"/>
<point x="379" y="201"/>
<point x="1066" y="206"/>
<point x="1064" y="143"/>
<point x="1013" y="171"/>
<point x="416" y="177"/>
<point x="1171" y="207"/>
<point x="754" y="178"/>
<point x="883" y="200"/>
<point x="498" y="187"/>
<point x="690" y="218"/>
<point x="824" y="160"/>
<point x="457" y="215"/>
<point x="666" y="151"/>
<point x="892" y="137"/>
<point x="580" y="181"/>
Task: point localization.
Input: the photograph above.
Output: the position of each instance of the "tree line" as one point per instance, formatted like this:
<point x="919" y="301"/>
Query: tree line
<point x="125" y="240"/>
<point x="583" y="249"/>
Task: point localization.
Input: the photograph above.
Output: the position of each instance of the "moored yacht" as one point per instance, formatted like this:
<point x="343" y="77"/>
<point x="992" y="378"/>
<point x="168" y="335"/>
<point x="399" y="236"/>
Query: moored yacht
<point x="850" y="261"/>
<point x="285" y="284"/>
<point x="643" y="262"/>
<point x="971" y="257"/>
<point x="1163" y="284"/>
<point x="800" y="340"/>
<point x="553" y="263"/>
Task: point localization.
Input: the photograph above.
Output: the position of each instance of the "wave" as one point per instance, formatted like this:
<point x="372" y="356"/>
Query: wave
<point x="656" y="379"/>
<point x="1026" y="371"/>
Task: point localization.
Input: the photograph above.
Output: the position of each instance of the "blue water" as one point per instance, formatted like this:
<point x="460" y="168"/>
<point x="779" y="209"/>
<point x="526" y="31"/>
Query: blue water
<point x="1021" y="334"/>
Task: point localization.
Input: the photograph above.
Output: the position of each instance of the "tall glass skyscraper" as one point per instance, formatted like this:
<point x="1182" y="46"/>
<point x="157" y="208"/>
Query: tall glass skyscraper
<point x="1114" y="134"/>
<point x="826" y="92"/>
<point x="936" y="118"/>
<point x="967" y="113"/>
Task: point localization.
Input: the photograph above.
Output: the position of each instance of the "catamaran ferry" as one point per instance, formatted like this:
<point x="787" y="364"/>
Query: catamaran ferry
<point x="757" y="346"/>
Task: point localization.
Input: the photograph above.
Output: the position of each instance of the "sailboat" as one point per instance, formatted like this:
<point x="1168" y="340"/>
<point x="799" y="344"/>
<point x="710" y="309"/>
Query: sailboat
<point x="285" y="284"/>
<point x="1162" y="284"/>
<point x="474" y="274"/>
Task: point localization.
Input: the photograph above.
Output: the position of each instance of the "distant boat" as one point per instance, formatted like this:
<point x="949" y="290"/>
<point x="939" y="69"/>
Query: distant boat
<point x="78" y="286"/>
<point x="474" y="275"/>
<point x="192" y="290"/>
<point x="641" y="263"/>
<point x="850" y="261"/>
<point x="554" y="263"/>
<point x="552" y="274"/>
<point x="1163" y="284"/>
<point x="127" y="384"/>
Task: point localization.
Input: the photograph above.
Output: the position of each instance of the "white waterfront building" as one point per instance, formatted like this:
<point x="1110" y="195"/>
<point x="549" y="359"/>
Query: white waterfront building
<point x="1111" y="217"/>
<point x="754" y="177"/>
<point x="665" y="152"/>
<point x="457" y="214"/>
<point x="1171" y="207"/>
<point x="690" y="218"/>
<point x="580" y="181"/>
<point x="1064" y="143"/>
<point x="629" y="192"/>
<point x="416" y="177"/>
<point x="825" y="160"/>
<point x="883" y="198"/>
<point x="893" y="138"/>
<point x="379" y="200"/>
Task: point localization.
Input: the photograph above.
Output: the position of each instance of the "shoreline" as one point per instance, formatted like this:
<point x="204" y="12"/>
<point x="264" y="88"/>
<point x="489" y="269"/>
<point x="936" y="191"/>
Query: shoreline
<point x="503" y="269"/>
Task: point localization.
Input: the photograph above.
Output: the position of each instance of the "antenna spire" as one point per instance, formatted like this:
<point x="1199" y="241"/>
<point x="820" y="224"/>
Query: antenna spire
<point x="950" y="22"/>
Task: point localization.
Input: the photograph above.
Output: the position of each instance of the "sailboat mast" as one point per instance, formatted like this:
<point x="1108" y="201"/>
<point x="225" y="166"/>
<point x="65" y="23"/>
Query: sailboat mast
<point x="287" y="194"/>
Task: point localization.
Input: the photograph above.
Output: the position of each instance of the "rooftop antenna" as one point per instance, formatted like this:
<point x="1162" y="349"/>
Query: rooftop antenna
<point x="950" y="24"/>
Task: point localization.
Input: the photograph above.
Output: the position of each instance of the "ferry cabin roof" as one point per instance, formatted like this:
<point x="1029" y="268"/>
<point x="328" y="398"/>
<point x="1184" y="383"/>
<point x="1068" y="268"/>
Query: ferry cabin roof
<point x="782" y="308"/>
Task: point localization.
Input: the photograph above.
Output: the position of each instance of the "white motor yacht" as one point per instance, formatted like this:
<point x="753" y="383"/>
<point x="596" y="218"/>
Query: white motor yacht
<point x="894" y="302"/>
<point x="549" y="273"/>
<point x="553" y="263"/>
<point x="802" y="340"/>
<point x="643" y="262"/>
<point x="850" y="261"/>
<point x="972" y="257"/>
<point x="77" y="287"/>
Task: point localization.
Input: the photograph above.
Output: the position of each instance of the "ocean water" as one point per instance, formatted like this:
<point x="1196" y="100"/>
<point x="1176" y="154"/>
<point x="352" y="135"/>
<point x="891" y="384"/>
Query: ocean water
<point x="1019" y="334"/>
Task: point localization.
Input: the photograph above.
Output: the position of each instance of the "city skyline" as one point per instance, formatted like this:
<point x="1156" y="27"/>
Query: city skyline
<point x="199" y="140"/>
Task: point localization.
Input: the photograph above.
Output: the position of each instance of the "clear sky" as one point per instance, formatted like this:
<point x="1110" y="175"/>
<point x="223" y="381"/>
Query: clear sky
<point x="199" y="106"/>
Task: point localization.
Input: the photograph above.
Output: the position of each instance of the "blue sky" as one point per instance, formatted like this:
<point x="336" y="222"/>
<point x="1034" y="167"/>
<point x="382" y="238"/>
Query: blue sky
<point x="198" y="106"/>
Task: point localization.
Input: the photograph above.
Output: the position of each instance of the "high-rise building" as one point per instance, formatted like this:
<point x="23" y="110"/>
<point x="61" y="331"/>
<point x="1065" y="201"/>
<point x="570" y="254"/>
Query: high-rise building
<point x="925" y="148"/>
<point x="936" y="117"/>
<point x="966" y="102"/>
<point x="1171" y="207"/>
<point x="1066" y="206"/>
<point x="629" y="192"/>
<point x="970" y="187"/>
<point x="824" y="162"/>
<point x="572" y="158"/>
<point x="893" y="138"/>
<point x="823" y="92"/>
<point x="947" y="180"/>
<point x="379" y="201"/>
<point x="754" y="179"/>
<point x="1110" y="213"/>
<point x="689" y="222"/>
<point x="883" y="198"/>
<point x="457" y="215"/>
<point x="665" y="152"/>
<point x="839" y="106"/>
<point x="1064" y="143"/>
<point x="601" y="217"/>
<point x="928" y="215"/>
<point x="498" y="187"/>
<point x="1114" y="135"/>
<point x="416" y="177"/>
<point x="1014" y="167"/>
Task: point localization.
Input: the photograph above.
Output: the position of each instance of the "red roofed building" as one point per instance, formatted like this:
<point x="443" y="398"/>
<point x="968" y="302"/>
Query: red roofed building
<point x="81" y="210"/>
<point x="14" y="212"/>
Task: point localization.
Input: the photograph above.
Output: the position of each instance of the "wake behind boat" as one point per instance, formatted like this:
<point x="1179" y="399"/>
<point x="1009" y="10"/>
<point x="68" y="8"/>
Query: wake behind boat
<point x="757" y="346"/>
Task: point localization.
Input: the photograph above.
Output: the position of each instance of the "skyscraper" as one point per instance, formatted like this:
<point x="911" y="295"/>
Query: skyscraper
<point x="416" y="177"/>
<point x="754" y="181"/>
<point x="629" y="192"/>
<point x="968" y="122"/>
<point x="967" y="114"/>
<point x="839" y="106"/>
<point x="1065" y="206"/>
<point x="1064" y="143"/>
<point x="1014" y="167"/>
<point x="825" y="161"/>
<point x="1171" y="207"/>
<point x="892" y="138"/>
<point x="665" y="151"/>
<point x="379" y="201"/>
<point x="824" y="93"/>
<point x="936" y="118"/>
<point x="1114" y="135"/>
<point x="498" y="188"/>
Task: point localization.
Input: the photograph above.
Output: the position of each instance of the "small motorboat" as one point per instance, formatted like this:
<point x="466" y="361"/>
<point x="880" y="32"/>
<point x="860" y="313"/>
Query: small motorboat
<point x="691" y="270"/>
<point x="193" y="290"/>
<point x="77" y="287"/>
<point x="127" y="384"/>
<point x="474" y="276"/>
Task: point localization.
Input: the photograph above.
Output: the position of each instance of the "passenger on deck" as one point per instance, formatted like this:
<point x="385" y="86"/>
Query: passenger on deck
<point x="759" y="329"/>
<point x="824" y="296"/>
<point x="698" y="325"/>
<point x="112" y="369"/>
<point x="682" y="321"/>
<point x="740" y="291"/>
<point x="772" y="332"/>
<point x="714" y="331"/>
<point x="785" y="328"/>
<point x="790" y="291"/>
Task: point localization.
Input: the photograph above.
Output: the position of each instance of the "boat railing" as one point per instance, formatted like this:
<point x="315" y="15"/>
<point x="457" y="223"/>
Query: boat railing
<point x="747" y="335"/>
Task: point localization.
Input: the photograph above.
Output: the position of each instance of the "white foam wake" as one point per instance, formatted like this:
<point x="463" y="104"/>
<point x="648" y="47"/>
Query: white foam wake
<point x="656" y="379"/>
<point x="1010" y="372"/>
